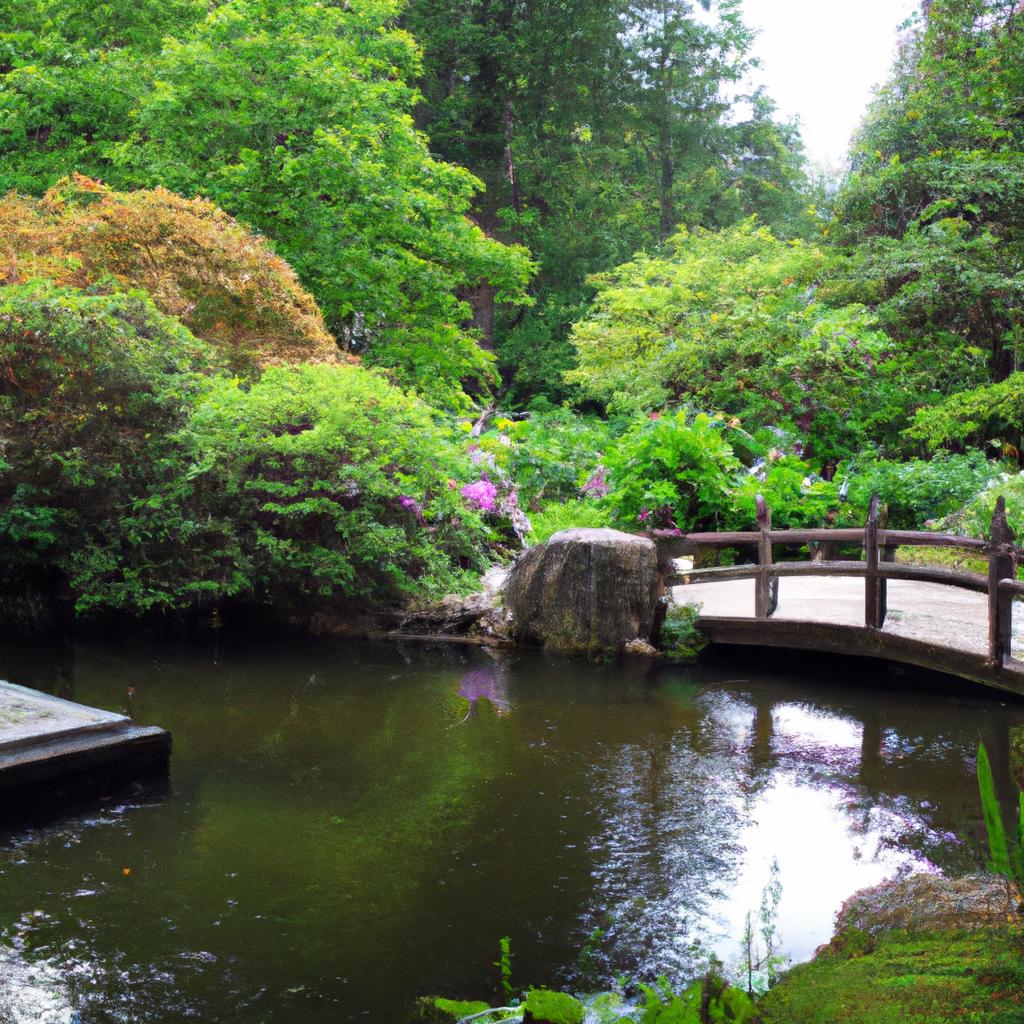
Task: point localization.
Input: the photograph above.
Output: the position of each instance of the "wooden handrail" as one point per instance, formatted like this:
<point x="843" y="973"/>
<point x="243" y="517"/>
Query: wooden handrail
<point x="886" y="538"/>
<point x="886" y="571"/>
<point x="878" y="568"/>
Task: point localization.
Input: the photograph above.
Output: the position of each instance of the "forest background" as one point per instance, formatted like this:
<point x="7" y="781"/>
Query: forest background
<point x="332" y="305"/>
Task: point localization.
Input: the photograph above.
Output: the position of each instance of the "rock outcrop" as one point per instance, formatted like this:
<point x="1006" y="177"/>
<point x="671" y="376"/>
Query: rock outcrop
<point x="585" y="591"/>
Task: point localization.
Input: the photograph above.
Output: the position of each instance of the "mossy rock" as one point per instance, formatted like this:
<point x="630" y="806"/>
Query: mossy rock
<point x="901" y="978"/>
<point x="586" y="591"/>
<point x="435" y="1010"/>
<point x="545" y="1007"/>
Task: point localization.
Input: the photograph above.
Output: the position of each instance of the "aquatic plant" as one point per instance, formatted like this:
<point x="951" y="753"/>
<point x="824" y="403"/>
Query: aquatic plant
<point x="1007" y="854"/>
<point x="763" y="963"/>
<point x="504" y="965"/>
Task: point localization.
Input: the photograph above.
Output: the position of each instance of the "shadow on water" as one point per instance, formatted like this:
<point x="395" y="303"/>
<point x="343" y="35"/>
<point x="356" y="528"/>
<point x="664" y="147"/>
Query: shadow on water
<point x="351" y="825"/>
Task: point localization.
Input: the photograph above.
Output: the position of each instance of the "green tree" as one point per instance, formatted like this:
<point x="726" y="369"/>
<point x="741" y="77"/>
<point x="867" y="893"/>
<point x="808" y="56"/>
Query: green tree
<point x="740" y="322"/>
<point x="935" y="202"/>
<point x="296" y="119"/>
<point x="564" y="109"/>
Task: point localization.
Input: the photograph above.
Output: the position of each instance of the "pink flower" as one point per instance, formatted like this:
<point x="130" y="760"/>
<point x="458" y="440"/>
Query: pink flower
<point x="481" y="495"/>
<point x="597" y="485"/>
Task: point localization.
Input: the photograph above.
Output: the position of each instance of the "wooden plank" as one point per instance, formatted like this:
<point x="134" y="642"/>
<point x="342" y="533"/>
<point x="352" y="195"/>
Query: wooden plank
<point x="1002" y="564"/>
<point x="889" y="571"/>
<point x="923" y="539"/>
<point x="871" y="616"/>
<point x="860" y="641"/>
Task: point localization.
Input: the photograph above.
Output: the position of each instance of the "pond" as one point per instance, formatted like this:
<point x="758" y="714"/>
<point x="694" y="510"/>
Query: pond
<point x="348" y="826"/>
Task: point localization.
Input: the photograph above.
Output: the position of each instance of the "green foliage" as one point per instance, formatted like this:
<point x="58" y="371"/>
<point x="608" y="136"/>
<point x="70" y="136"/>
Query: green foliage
<point x="740" y="322"/>
<point x="672" y="472"/>
<point x="142" y="479"/>
<point x="919" y="491"/>
<point x="704" y="1001"/>
<point x="339" y="485"/>
<point x="898" y="979"/>
<point x="762" y="961"/>
<point x="448" y="1011"/>
<point x="1007" y="852"/>
<point x="296" y="119"/>
<point x="934" y="207"/>
<point x="547" y="1007"/>
<point x="680" y="638"/>
<point x="504" y="965"/>
<point x="990" y="414"/>
<point x="975" y="517"/>
<point x="594" y="123"/>
<point x="568" y="515"/>
<point x="555" y="454"/>
<point x="796" y="497"/>
<point x="94" y="388"/>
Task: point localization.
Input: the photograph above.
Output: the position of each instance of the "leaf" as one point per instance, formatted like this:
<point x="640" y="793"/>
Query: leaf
<point x="1000" y="862"/>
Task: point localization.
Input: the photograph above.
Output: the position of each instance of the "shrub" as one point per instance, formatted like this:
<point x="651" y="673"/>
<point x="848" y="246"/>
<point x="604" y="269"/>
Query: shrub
<point x="338" y="486"/>
<point x="920" y="490"/>
<point x="222" y="281"/>
<point x="94" y="387"/>
<point x="671" y="472"/>
<point x="975" y="517"/>
<point x="680" y="637"/>
<point x="565" y="515"/>
<point x="137" y="477"/>
<point x="554" y="454"/>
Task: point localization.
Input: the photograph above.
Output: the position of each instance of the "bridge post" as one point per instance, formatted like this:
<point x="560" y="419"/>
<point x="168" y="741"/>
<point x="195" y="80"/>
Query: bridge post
<point x="875" y="595"/>
<point x="1002" y="565"/>
<point x="766" y="588"/>
<point x="887" y="554"/>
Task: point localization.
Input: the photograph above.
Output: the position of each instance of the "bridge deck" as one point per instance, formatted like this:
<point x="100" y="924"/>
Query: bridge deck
<point x="930" y="625"/>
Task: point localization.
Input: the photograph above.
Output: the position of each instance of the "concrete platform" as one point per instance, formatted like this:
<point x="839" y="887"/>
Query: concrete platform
<point x="56" y="747"/>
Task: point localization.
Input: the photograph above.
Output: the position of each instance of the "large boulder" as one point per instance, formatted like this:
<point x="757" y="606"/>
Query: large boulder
<point x="585" y="592"/>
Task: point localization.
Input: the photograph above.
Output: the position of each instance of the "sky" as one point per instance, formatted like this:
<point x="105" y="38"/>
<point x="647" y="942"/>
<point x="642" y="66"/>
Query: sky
<point x="820" y="61"/>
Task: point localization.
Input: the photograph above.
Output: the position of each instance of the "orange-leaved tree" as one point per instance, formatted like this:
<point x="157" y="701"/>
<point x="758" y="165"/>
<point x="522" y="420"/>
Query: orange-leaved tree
<point x="222" y="281"/>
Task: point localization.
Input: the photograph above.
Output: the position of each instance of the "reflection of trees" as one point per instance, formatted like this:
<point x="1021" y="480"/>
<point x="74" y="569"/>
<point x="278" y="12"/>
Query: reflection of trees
<point x="675" y="801"/>
<point x="362" y="826"/>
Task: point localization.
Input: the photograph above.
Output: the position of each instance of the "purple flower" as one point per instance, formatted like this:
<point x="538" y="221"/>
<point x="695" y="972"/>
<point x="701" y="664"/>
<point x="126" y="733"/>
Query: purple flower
<point x="643" y="515"/>
<point x="410" y="503"/>
<point x="481" y="495"/>
<point x="597" y="485"/>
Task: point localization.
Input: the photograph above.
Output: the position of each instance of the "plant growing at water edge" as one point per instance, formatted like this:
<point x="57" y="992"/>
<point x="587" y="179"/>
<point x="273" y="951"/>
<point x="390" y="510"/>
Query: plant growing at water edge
<point x="680" y="637"/>
<point x="763" y="963"/>
<point x="1007" y="854"/>
<point x="504" y="965"/>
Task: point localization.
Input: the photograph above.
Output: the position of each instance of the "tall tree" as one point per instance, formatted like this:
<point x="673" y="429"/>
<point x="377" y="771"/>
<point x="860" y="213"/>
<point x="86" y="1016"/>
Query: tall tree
<point x="294" y="117"/>
<point x="598" y="126"/>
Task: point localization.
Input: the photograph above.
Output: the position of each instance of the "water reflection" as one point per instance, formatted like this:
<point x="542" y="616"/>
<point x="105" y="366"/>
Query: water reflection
<point x="351" y="826"/>
<point x="487" y="682"/>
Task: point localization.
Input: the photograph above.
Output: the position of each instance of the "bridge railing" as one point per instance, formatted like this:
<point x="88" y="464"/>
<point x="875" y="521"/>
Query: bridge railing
<point x="876" y="569"/>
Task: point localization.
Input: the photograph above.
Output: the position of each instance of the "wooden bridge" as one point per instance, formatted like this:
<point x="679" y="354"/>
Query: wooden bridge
<point x="947" y="620"/>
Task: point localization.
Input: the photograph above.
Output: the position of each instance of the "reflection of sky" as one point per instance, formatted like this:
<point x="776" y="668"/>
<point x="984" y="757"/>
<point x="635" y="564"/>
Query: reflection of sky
<point x="690" y="832"/>
<point x="823" y="858"/>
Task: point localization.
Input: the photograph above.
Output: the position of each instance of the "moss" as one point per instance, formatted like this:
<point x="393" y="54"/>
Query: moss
<point x="545" y="1007"/>
<point x="906" y="979"/>
<point x="433" y="1010"/>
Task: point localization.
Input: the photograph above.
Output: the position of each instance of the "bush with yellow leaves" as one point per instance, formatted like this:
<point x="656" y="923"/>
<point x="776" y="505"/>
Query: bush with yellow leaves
<point x="220" y="279"/>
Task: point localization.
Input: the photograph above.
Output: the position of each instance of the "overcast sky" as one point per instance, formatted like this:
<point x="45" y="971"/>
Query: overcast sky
<point x="820" y="60"/>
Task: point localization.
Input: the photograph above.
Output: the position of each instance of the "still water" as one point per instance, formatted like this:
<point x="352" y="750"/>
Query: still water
<point x="348" y="826"/>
